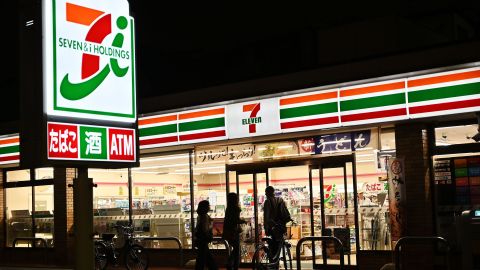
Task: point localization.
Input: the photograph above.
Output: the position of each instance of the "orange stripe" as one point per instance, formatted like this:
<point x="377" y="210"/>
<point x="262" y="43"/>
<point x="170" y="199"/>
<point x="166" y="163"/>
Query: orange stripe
<point x="315" y="97"/>
<point x="157" y="120"/>
<point x="372" y="89"/>
<point x="249" y="107"/>
<point x="445" y="78"/>
<point x="201" y="113"/>
<point x="10" y="140"/>
<point x="82" y="15"/>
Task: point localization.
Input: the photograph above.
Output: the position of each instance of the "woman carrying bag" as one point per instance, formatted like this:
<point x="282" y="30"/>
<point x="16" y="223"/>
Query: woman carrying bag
<point x="203" y="236"/>
<point x="232" y="229"/>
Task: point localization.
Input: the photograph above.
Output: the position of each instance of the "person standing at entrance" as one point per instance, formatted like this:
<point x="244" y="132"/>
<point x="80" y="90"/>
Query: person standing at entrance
<point x="275" y="218"/>
<point x="203" y="236"/>
<point x="232" y="229"/>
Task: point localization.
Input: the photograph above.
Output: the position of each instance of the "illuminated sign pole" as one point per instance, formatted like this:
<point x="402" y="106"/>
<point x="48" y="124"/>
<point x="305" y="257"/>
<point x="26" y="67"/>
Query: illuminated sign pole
<point x="78" y="93"/>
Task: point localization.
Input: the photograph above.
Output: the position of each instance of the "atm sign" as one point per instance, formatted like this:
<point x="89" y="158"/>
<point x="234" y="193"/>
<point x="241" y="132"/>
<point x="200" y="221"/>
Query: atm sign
<point x="87" y="143"/>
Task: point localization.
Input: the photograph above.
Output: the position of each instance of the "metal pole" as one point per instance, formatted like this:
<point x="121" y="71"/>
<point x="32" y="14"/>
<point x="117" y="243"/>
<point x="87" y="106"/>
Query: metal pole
<point x="130" y="196"/>
<point x="83" y="220"/>
<point x="192" y="198"/>
<point x="322" y="239"/>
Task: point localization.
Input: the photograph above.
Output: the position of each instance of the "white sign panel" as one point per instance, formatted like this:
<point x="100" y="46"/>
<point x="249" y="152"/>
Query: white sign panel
<point x="89" y="60"/>
<point x="254" y="118"/>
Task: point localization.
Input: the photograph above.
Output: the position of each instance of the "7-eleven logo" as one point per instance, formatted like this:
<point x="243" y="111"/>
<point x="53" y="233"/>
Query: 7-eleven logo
<point x="253" y="120"/>
<point x="99" y="26"/>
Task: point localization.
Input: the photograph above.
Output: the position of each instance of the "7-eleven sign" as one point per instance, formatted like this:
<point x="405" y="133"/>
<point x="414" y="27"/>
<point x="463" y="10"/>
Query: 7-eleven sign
<point x="89" y="59"/>
<point x="253" y="118"/>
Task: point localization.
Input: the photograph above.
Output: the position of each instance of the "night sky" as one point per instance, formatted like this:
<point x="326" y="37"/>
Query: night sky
<point x="184" y="46"/>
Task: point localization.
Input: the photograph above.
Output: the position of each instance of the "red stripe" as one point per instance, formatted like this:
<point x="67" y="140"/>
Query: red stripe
<point x="203" y="135"/>
<point x="374" y="115"/>
<point x="445" y="106"/>
<point x="10" y="158"/>
<point x="310" y="122"/>
<point x="158" y="140"/>
<point x="97" y="33"/>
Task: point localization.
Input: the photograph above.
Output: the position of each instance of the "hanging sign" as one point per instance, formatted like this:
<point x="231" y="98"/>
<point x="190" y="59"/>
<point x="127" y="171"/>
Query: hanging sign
<point x="89" y="56"/>
<point x="231" y="153"/>
<point x="81" y="106"/>
<point x="396" y="196"/>
<point x="343" y="142"/>
<point x="254" y="118"/>
<point x="82" y="142"/>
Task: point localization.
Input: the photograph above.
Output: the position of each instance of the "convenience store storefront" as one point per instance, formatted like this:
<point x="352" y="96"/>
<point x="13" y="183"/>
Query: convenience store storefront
<point x="328" y="142"/>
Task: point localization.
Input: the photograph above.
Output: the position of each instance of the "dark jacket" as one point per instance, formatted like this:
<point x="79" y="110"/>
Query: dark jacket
<point x="231" y="224"/>
<point x="203" y="230"/>
<point x="274" y="212"/>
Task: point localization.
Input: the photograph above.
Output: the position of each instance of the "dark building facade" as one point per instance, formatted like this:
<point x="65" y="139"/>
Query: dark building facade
<point x="323" y="132"/>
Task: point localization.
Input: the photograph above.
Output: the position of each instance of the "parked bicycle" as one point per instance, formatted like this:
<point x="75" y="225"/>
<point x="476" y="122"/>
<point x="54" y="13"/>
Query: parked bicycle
<point x="134" y="255"/>
<point x="265" y="258"/>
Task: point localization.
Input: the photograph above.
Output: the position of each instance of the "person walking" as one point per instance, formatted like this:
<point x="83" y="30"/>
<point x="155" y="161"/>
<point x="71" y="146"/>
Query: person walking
<point x="232" y="229"/>
<point x="203" y="236"/>
<point x="275" y="218"/>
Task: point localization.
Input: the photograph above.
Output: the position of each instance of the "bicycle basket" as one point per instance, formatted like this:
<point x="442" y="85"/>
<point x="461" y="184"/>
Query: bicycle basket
<point x="108" y="236"/>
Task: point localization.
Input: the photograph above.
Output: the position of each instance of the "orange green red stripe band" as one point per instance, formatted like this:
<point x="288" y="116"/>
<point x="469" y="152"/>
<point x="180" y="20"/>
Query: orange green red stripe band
<point x="204" y="113"/>
<point x="445" y="106"/>
<point x="310" y="122"/>
<point x="155" y="120"/>
<point x="372" y="89"/>
<point x="203" y="135"/>
<point x="444" y="78"/>
<point x="374" y="115"/>
<point x="10" y="140"/>
<point x="309" y="98"/>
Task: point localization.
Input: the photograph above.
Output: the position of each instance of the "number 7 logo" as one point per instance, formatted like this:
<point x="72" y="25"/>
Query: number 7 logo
<point x="253" y="109"/>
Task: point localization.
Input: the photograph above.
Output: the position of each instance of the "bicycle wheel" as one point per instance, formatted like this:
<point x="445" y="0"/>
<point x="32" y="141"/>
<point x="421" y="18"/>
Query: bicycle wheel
<point x="289" y="257"/>
<point x="136" y="258"/>
<point x="101" y="256"/>
<point x="261" y="259"/>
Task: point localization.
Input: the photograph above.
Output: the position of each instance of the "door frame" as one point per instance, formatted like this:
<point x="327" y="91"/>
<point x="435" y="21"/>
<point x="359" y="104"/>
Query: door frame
<point x="336" y="161"/>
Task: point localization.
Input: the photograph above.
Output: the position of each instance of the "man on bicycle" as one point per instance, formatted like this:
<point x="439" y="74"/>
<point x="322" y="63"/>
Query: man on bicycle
<point x="275" y="218"/>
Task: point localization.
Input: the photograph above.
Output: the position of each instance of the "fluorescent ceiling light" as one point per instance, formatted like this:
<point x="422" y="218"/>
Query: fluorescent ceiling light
<point x="160" y="166"/>
<point x="201" y="168"/>
<point x="366" y="160"/>
<point x="163" y="158"/>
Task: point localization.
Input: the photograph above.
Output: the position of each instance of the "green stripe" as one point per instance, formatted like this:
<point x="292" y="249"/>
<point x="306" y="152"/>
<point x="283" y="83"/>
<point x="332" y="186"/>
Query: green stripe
<point x="309" y="110"/>
<point x="202" y="124"/>
<point x="10" y="149"/>
<point x="158" y="130"/>
<point x="444" y="92"/>
<point x="372" y="102"/>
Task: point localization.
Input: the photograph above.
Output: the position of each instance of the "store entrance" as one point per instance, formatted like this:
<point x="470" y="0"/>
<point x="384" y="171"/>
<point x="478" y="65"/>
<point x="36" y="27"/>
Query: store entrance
<point x="301" y="183"/>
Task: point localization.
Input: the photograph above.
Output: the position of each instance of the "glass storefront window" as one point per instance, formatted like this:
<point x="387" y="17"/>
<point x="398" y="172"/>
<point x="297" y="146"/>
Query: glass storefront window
<point x="44" y="222"/>
<point x="22" y="205"/>
<point x="372" y="192"/>
<point x="43" y="173"/>
<point x="161" y="199"/>
<point x="209" y="180"/>
<point x="110" y="199"/>
<point x="452" y="135"/>
<point x="19" y="218"/>
<point x="18" y="175"/>
<point x="292" y="183"/>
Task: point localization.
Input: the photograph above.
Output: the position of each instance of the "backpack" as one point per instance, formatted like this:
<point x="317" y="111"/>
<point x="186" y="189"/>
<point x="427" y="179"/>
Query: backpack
<point x="282" y="216"/>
